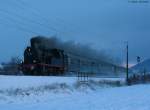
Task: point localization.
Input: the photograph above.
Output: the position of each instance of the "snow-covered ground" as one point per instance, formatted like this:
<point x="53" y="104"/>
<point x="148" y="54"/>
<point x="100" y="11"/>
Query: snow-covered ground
<point x="61" y="93"/>
<point x="7" y="82"/>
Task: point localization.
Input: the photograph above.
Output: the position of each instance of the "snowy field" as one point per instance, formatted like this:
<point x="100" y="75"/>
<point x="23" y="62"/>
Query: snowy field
<point x="14" y="82"/>
<point x="61" y="93"/>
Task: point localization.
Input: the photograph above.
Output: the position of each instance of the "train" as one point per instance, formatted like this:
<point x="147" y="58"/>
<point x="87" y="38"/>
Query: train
<point x="42" y="61"/>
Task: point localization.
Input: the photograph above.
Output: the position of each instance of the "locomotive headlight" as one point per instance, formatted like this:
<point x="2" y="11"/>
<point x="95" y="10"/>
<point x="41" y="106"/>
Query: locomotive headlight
<point x="29" y="49"/>
<point x="34" y="61"/>
<point x="32" y="67"/>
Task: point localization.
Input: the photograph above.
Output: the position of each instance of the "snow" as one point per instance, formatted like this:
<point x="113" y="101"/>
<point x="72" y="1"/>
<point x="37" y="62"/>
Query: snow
<point x="31" y="81"/>
<point x="69" y="95"/>
<point x="34" y="81"/>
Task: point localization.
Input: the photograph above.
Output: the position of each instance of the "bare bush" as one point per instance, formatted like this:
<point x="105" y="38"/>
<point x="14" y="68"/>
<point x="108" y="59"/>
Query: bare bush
<point x="11" y="67"/>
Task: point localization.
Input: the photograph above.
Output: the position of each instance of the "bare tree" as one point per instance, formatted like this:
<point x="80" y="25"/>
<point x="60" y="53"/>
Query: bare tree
<point x="11" y="67"/>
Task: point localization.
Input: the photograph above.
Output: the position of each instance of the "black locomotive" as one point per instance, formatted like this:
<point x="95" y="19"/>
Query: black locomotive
<point x="41" y="59"/>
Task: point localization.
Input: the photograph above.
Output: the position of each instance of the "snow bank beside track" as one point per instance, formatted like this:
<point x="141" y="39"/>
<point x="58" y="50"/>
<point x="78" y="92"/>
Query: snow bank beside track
<point x="27" y="85"/>
<point x="7" y="82"/>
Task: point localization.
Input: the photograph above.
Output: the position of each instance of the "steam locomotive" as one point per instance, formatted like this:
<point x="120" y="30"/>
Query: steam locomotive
<point x="43" y="61"/>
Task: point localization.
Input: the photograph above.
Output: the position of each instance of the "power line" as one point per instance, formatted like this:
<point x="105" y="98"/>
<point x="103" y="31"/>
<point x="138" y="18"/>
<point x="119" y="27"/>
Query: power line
<point x="22" y="4"/>
<point x="12" y="21"/>
<point x="26" y="19"/>
<point x="36" y="12"/>
<point x="19" y="27"/>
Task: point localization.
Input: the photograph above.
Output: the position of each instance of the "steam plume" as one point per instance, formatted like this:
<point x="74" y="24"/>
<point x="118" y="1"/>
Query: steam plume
<point x="74" y="48"/>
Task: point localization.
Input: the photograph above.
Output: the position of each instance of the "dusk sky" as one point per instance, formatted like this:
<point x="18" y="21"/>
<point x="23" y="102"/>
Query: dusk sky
<point x="103" y="24"/>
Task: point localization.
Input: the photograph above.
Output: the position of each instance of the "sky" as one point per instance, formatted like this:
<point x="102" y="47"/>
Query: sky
<point x="102" y="24"/>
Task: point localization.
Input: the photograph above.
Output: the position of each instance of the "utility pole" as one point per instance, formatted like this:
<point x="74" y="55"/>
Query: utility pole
<point x="127" y="64"/>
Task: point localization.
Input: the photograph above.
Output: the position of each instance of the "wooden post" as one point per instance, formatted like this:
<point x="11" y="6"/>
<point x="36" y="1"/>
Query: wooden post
<point x="127" y="65"/>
